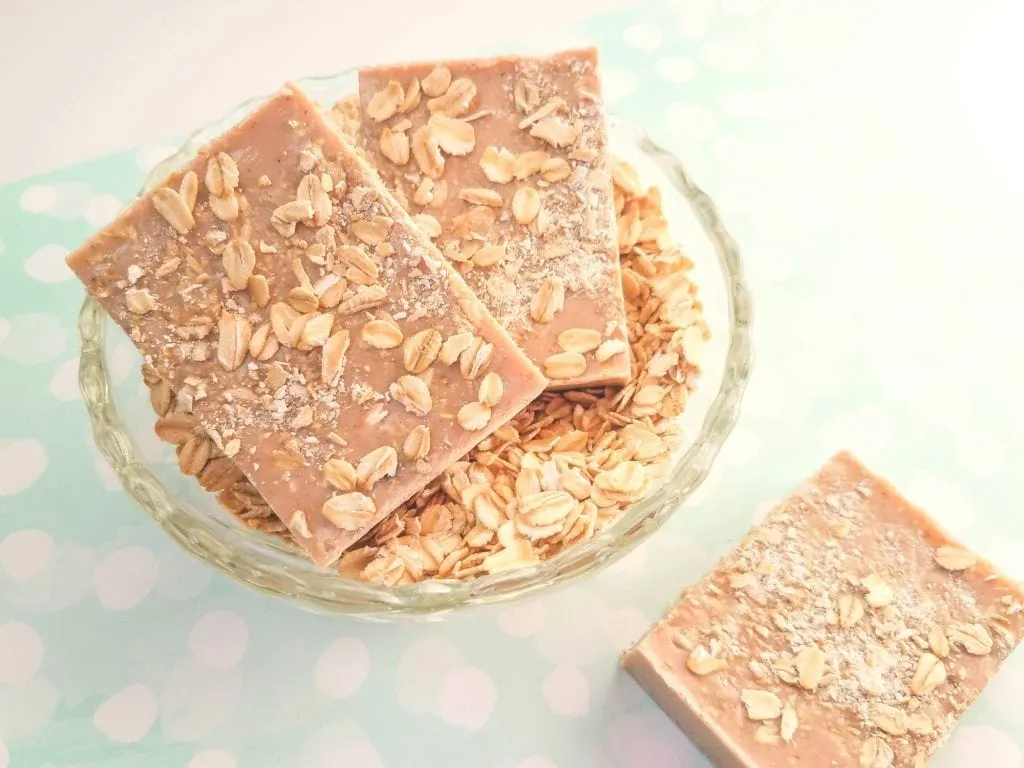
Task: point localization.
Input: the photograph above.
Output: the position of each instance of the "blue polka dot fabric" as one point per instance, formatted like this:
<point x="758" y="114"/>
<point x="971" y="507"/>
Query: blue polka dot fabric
<point x="871" y="199"/>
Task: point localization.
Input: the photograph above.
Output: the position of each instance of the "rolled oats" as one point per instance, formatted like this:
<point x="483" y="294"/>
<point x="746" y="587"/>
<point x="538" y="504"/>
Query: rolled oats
<point x="474" y="416"/>
<point x="761" y="705"/>
<point x="955" y="559"/>
<point x="436" y="83"/>
<point x="421" y="349"/>
<point x="382" y="334"/>
<point x="375" y="466"/>
<point x="573" y="423"/>
<point x="413" y="393"/>
<point x="175" y="210"/>
<point x="581" y="340"/>
<point x="349" y="511"/>
<point x="417" y="443"/>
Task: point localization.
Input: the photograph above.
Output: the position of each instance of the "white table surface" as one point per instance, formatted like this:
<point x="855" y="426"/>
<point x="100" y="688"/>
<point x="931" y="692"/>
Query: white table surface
<point x="80" y="63"/>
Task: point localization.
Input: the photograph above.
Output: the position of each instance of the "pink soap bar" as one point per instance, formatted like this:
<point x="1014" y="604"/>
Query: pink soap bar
<point x="504" y="162"/>
<point x="846" y="630"/>
<point x="327" y="347"/>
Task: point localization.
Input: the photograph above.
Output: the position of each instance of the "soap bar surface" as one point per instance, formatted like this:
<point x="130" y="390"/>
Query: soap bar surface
<point x="325" y="344"/>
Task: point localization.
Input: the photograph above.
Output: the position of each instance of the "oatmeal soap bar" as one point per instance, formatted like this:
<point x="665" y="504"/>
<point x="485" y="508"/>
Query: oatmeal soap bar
<point x="325" y="344"/>
<point x="846" y="630"/>
<point x="504" y="162"/>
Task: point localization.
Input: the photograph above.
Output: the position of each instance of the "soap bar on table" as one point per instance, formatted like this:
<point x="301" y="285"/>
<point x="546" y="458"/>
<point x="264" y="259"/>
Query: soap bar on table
<point x="326" y="346"/>
<point x="846" y="630"/>
<point x="505" y="163"/>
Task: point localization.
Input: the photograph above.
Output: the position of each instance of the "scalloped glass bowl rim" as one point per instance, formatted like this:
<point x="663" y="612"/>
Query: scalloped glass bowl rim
<point x="257" y="565"/>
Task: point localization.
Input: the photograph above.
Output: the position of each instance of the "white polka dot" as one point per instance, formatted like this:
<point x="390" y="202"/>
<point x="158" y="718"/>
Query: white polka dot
<point x="128" y="715"/>
<point x="47" y="265"/>
<point x="219" y="639"/>
<point x="650" y="739"/>
<point x="148" y="159"/>
<point x="66" y="582"/>
<point x="196" y="700"/>
<point x="34" y="338"/>
<point x="734" y="56"/>
<point x="213" y="758"/>
<point x="69" y="199"/>
<point x="980" y="451"/>
<point x="643" y="37"/>
<point x="1007" y="555"/>
<point x="624" y="626"/>
<point x="761" y="510"/>
<point x="5" y="756"/>
<point x="124" y="577"/>
<point x="523" y="620"/>
<point x="22" y="462"/>
<point x="690" y="122"/>
<point x="108" y="477"/>
<point x="467" y="698"/>
<point x="340" y="745"/>
<point x="694" y="28"/>
<point x="534" y="761"/>
<point x="342" y="668"/>
<point x="941" y="499"/>
<point x="125" y="360"/>
<point x="21" y="653"/>
<point x="676" y="69"/>
<point x="864" y="432"/>
<point x="573" y="634"/>
<point x="421" y="671"/>
<point x="633" y="562"/>
<point x="102" y="210"/>
<point x="26" y="554"/>
<point x="1004" y="692"/>
<point x="566" y="691"/>
<point x="617" y="84"/>
<point x="181" y="577"/>
<point x="980" y="745"/>
<point x="64" y="382"/>
<point x="26" y="710"/>
<point x="39" y="198"/>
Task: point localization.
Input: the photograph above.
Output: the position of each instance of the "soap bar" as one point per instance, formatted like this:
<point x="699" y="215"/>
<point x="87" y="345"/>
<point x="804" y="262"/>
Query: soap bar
<point x="504" y="162"/>
<point x="846" y="630"/>
<point x="326" y="346"/>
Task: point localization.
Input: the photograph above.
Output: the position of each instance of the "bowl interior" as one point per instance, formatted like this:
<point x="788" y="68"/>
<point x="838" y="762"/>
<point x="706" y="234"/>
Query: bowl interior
<point x="123" y="419"/>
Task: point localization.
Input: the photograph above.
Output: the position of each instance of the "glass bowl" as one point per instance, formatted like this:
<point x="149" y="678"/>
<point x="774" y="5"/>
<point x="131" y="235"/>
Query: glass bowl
<point x="122" y="419"/>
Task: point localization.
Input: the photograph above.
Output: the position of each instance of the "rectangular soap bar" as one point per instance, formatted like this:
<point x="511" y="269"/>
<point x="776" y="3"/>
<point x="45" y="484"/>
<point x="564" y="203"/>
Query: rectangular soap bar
<point x="326" y="345"/>
<point x="847" y="630"/>
<point x="505" y="163"/>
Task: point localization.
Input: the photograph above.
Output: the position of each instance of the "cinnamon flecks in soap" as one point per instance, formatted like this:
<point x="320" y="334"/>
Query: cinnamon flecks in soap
<point x="494" y="510"/>
<point x="275" y="286"/>
<point x="847" y="629"/>
<point x="504" y="162"/>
